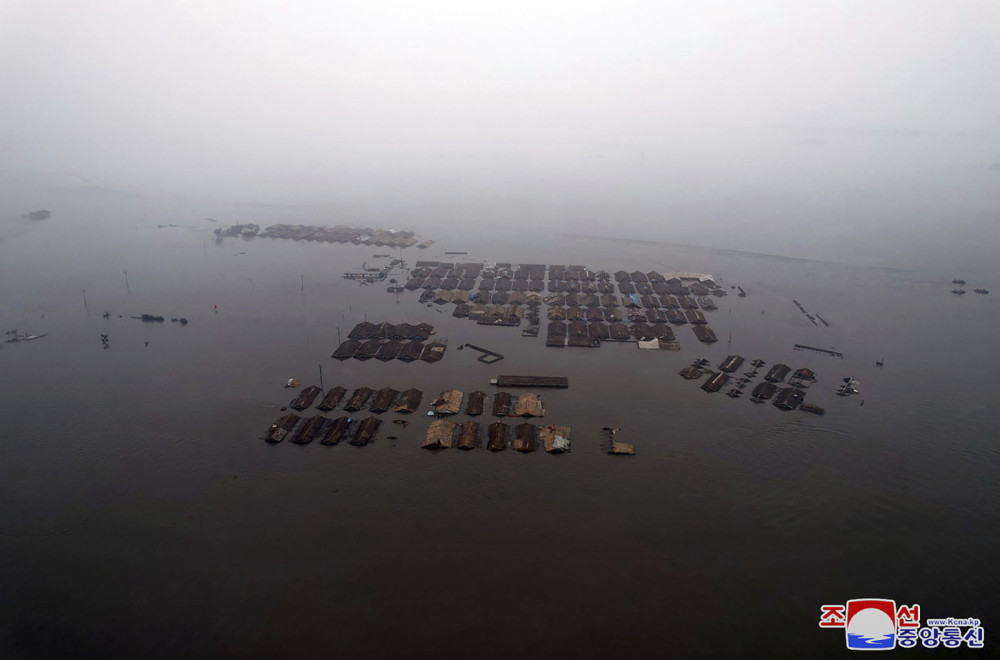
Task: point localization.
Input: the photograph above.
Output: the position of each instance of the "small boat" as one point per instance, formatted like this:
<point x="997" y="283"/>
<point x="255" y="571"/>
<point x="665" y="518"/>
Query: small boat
<point x="958" y="281"/>
<point x="879" y="362"/>
<point x="17" y="338"/>
<point x="982" y="291"/>
<point x="958" y="292"/>
<point x="849" y="387"/>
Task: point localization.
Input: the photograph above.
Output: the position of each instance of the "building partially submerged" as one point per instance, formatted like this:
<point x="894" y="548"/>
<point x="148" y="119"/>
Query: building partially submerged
<point x="525" y="437"/>
<point x="531" y="381"/>
<point x="804" y="374"/>
<point x="359" y="398"/>
<point x="409" y="401"/>
<point x="763" y="392"/>
<point x="368" y="349"/>
<point x="777" y="373"/>
<point x="366" y="431"/>
<point x="475" y="403"/>
<point x="691" y="373"/>
<point x="439" y="434"/>
<point x="789" y="398"/>
<point x="497" y="433"/>
<point x="449" y="402"/>
<point x="715" y="383"/>
<point x="433" y="351"/>
<point x="280" y="429"/>
<point x="704" y="334"/>
<point x="529" y="405"/>
<point x="305" y="398"/>
<point x="332" y="399"/>
<point x="468" y="436"/>
<point x="731" y="363"/>
<point x="346" y="350"/>
<point x="555" y="439"/>
<point x="502" y="402"/>
<point x="411" y="351"/>
<point x="365" y="330"/>
<point x="314" y="425"/>
<point x="336" y="431"/>
<point x="389" y="351"/>
<point x="384" y="399"/>
<point x="695" y="316"/>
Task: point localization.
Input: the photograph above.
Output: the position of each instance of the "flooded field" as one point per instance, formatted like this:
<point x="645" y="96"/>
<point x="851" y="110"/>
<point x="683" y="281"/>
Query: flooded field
<point x="144" y="515"/>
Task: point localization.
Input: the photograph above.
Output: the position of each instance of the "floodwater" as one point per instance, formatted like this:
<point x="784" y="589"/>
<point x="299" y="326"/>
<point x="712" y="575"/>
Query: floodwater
<point x="142" y="516"/>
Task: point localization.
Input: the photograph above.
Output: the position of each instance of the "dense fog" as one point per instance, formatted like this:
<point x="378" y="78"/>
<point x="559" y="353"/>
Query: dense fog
<point x="795" y="128"/>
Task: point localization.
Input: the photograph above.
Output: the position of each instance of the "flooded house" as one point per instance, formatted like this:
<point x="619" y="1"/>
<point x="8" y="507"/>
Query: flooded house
<point x="433" y="351"/>
<point x="555" y="439"/>
<point x="384" y="400"/>
<point x="366" y="431"/>
<point x="439" y="434"/>
<point x="449" y="402"/>
<point x="497" y="436"/>
<point x="411" y="351"/>
<point x="346" y="350"/>
<point x="359" y="399"/>
<point x="731" y="363"/>
<point x="529" y="405"/>
<point x="336" y="431"/>
<point x="777" y="373"/>
<point x="502" y="403"/>
<point x="332" y="399"/>
<point x="281" y="428"/>
<point x="715" y="382"/>
<point x="409" y="401"/>
<point x="525" y="437"/>
<point x="305" y="398"/>
<point x="789" y="398"/>
<point x="704" y="334"/>
<point x="368" y="349"/>
<point x="475" y="403"/>
<point x="468" y="436"/>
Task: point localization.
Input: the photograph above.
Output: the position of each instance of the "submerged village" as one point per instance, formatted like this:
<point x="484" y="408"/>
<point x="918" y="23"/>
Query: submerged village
<point x="568" y="307"/>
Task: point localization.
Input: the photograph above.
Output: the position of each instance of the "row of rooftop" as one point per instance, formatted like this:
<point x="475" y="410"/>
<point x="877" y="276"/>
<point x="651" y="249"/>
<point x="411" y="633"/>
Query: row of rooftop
<point x="392" y="349"/>
<point x="786" y="398"/>
<point x="440" y="434"/>
<point x="776" y="374"/>
<point x="397" y="331"/>
<point x="448" y="402"/>
<point x="673" y="287"/>
<point x="589" y="300"/>
<point x="590" y="335"/>
<point x="632" y="314"/>
<point x="554" y="272"/>
<point x="303" y="430"/>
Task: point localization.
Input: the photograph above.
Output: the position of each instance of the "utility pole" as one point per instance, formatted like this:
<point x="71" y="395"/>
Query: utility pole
<point x="127" y="289"/>
<point x="303" y="285"/>
<point x="84" y="297"/>
<point x="321" y="388"/>
<point x="338" y="335"/>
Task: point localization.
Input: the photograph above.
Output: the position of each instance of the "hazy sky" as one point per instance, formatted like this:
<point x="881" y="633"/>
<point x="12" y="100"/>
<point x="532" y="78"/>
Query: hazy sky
<point x="679" y="104"/>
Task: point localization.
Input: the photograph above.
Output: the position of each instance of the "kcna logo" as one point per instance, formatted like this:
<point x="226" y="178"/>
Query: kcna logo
<point x="870" y="623"/>
<point x="876" y="624"/>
